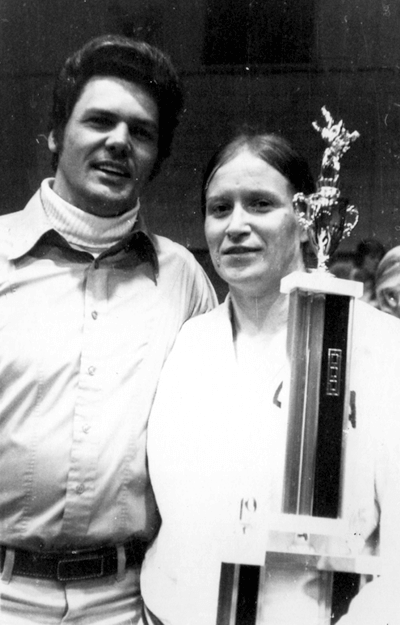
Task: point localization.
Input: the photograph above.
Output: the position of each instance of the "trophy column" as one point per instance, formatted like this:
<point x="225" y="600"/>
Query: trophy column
<point x="319" y="345"/>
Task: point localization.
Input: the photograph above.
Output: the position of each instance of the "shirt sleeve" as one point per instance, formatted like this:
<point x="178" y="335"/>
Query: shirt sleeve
<point x="203" y="296"/>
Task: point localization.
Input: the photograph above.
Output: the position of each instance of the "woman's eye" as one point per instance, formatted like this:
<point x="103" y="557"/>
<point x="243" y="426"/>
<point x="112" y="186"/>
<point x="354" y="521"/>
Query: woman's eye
<point x="392" y="297"/>
<point x="261" y="205"/>
<point x="218" y="210"/>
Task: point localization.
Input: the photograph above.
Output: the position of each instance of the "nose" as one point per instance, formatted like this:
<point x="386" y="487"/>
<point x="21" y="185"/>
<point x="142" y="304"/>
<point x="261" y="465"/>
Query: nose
<point x="118" y="140"/>
<point x="238" y="225"/>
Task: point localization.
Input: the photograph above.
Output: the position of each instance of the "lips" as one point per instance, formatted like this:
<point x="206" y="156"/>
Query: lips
<point x="240" y="249"/>
<point x="112" y="168"/>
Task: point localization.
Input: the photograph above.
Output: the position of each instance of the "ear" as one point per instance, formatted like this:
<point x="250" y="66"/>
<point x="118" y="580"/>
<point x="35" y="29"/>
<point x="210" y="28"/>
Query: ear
<point x="51" y="142"/>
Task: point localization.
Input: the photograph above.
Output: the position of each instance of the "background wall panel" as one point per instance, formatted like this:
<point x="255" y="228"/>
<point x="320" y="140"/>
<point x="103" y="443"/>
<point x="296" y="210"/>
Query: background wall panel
<point x="354" y="71"/>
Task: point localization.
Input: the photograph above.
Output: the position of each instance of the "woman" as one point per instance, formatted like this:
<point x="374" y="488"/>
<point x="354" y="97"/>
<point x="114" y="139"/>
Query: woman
<point x="217" y="433"/>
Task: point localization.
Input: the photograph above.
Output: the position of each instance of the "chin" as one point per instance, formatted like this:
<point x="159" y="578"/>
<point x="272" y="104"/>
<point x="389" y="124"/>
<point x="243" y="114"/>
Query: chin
<point x="257" y="285"/>
<point x="244" y="273"/>
<point x="110" y="204"/>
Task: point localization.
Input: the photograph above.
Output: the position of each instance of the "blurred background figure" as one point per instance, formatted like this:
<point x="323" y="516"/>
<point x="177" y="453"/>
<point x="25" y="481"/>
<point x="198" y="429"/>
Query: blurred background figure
<point x="343" y="269"/>
<point x="368" y="254"/>
<point x="387" y="282"/>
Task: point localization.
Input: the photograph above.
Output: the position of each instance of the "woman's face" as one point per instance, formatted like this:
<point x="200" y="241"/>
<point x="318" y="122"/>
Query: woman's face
<point x="250" y="227"/>
<point x="388" y="295"/>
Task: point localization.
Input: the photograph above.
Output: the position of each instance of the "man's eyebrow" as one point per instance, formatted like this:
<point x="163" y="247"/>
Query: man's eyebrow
<point x="97" y="110"/>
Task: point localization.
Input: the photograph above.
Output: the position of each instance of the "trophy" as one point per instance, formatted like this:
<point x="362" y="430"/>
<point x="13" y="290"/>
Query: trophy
<point x="325" y="215"/>
<point x="310" y="535"/>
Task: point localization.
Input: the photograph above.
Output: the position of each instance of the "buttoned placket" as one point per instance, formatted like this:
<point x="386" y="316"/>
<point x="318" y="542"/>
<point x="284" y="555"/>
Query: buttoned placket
<point x="84" y="453"/>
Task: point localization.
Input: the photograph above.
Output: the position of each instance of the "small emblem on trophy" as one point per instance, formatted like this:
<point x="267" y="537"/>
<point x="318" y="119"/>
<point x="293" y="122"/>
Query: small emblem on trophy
<point x="325" y="215"/>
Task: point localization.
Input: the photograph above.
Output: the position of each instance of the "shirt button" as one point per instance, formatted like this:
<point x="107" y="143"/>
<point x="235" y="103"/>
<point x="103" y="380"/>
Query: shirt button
<point x="95" y="314"/>
<point x="79" y="489"/>
<point x="91" y="370"/>
<point x="86" y="428"/>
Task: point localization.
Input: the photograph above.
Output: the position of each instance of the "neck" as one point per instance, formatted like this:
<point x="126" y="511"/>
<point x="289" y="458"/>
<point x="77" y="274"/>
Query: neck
<point x="264" y="313"/>
<point x="259" y="316"/>
<point x="259" y="325"/>
<point x="259" y="335"/>
<point x="83" y="230"/>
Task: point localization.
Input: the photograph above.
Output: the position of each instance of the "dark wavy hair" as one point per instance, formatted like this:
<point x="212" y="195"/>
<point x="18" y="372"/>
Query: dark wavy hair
<point x="122" y="57"/>
<point x="271" y="148"/>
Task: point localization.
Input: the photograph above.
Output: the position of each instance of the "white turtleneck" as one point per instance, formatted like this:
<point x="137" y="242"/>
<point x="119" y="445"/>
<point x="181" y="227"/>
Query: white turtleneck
<point x="82" y="230"/>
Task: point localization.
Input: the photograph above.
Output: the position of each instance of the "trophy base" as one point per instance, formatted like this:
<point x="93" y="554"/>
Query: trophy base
<point x="306" y="573"/>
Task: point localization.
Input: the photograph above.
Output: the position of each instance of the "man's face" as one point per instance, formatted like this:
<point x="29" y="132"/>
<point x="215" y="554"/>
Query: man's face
<point x="250" y="227"/>
<point x="109" y="147"/>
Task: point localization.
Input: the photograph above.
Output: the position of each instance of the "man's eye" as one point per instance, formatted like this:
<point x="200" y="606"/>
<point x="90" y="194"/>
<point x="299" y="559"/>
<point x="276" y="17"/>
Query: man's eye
<point x="101" y="122"/>
<point x="143" y="134"/>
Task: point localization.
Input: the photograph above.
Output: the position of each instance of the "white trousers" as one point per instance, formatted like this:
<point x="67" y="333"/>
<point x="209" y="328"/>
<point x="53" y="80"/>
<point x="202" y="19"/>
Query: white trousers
<point x="105" y="601"/>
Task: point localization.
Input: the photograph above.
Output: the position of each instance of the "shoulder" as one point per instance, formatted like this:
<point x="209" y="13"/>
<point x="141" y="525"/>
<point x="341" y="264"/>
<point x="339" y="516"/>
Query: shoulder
<point x="13" y="222"/>
<point x="179" y="269"/>
<point x="205" y="337"/>
<point x="190" y="372"/>
<point x="376" y="338"/>
<point x="13" y="229"/>
<point x="376" y="362"/>
<point x="20" y="230"/>
<point x="170" y="251"/>
<point x="207" y="326"/>
<point x="375" y="328"/>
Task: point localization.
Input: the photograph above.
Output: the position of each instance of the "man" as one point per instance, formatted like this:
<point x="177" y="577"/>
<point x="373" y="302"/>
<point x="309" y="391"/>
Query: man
<point x="90" y="307"/>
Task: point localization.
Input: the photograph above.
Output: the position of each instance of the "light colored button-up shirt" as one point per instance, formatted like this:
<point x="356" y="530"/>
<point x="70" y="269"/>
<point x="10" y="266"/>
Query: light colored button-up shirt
<point x="83" y="341"/>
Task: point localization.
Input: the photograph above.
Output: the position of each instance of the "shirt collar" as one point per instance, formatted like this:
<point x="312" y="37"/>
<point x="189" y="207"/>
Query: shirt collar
<point x="31" y="224"/>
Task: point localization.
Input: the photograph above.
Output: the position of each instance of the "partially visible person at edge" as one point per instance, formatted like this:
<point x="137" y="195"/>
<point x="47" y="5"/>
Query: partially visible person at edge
<point x="218" y="427"/>
<point x="388" y="282"/>
<point x="90" y="305"/>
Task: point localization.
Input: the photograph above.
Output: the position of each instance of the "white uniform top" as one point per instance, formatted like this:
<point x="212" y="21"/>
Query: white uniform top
<point x="216" y="437"/>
